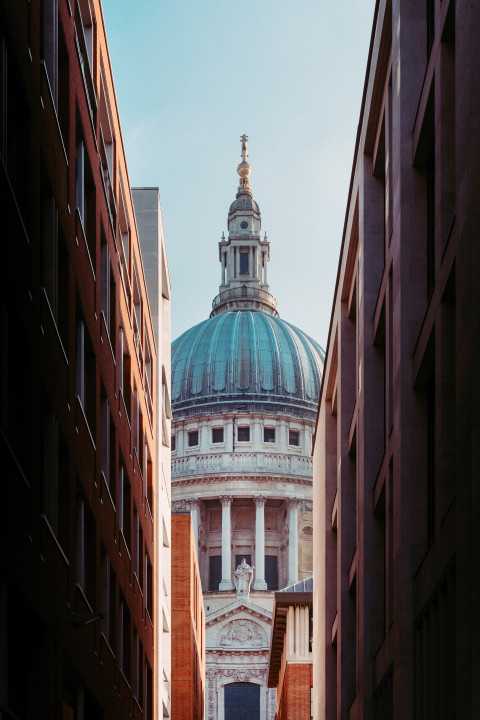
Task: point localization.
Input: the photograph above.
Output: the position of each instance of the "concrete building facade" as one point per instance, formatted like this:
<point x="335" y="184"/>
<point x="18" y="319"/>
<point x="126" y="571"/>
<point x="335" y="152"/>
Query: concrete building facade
<point x="188" y="624"/>
<point x="245" y="387"/>
<point x="396" y="492"/>
<point x="78" y="384"/>
<point x="148" y="214"/>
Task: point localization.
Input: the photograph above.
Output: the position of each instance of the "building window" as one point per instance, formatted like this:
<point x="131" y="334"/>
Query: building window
<point x="137" y="315"/>
<point x="148" y="692"/>
<point x="124" y="372"/>
<point x="105" y="429"/>
<point x="294" y="438"/>
<point x="242" y="695"/>
<point x="244" y="262"/>
<point x="107" y="288"/>
<point x="173" y="444"/>
<point x="86" y="555"/>
<point x="49" y="48"/>
<point x="271" y="572"/>
<point x="149" y="586"/>
<point x="215" y="575"/>
<point x="125" y="245"/>
<point x="430" y="25"/>
<point x="124" y="641"/>
<point x="137" y="669"/>
<point x="137" y="550"/>
<point x="107" y="146"/>
<point x="193" y="438"/>
<point x="149" y="478"/>
<point x="85" y="195"/>
<point x="269" y="435"/>
<point x="124" y="502"/>
<point x="243" y="434"/>
<point x="217" y="435"/>
<point x="55" y="471"/>
<point x="54" y="259"/>
<point x="108" y="599"/>
<point x="85" y="374"/>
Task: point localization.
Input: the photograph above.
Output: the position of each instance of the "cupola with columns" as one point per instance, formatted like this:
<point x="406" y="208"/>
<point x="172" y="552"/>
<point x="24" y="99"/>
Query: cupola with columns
<point x="244" y="254"/>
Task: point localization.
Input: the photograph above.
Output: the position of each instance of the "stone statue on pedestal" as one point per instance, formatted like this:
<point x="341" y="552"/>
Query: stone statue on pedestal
<point x="242" y="577"/>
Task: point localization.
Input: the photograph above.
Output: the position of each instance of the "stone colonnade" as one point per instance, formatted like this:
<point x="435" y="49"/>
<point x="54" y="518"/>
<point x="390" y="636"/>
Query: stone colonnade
<point x="260" y="502"/>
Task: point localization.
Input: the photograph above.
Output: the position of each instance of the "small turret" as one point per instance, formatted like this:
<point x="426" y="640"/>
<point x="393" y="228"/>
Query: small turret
<point x="244" y="254"/>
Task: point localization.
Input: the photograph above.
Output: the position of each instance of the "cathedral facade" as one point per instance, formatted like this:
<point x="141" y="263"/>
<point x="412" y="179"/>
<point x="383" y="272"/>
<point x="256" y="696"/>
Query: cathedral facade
<point x="245" y="388"/>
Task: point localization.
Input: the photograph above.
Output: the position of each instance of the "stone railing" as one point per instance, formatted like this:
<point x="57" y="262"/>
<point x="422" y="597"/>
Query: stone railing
<point x="229" y="298"/>
<point x="242" y="462"/>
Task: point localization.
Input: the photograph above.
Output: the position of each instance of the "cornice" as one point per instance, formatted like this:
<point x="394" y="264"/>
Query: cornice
<point x="227" y="478"/>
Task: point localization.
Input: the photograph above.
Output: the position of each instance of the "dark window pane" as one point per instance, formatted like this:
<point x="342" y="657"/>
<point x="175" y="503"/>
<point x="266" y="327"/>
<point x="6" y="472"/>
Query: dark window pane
<point x="193" y="438"/>
<point x="242" y="701"/>
<point x="215" y="572"/>
<point x="269" y="435"/>
<point x="174" y="442"/>
<point x="294" y="437"/>
<point x="217" y="435"/>
<point x="243" y="263"/>
<point x="243" y="434"/>
<point x="271" y="572"/>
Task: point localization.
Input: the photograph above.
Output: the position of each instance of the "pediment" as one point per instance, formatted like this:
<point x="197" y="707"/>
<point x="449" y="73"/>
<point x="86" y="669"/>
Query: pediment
<point x="238" y="607"/>
<point x="239" y="626"/>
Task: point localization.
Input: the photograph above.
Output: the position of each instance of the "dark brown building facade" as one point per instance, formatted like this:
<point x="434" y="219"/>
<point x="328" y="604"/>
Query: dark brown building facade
<point x="77" y="381"/>
<point x="397" y="456"/>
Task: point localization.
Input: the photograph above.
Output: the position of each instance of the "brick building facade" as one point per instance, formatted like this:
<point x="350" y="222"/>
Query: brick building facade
<point x="188" y="624"/>
<point x="396" y="492"/>
<point x="291" y="661"/>
<point x="78" y="382"/>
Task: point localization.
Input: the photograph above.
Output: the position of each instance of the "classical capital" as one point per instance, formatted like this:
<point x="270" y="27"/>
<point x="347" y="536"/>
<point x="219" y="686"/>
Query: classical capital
<point x="260" y="500"/>
<point x="294" y="502"/>
<point x="226" y="500"/>
<point x="180" y="505"/>
<point x="193" y="503"/>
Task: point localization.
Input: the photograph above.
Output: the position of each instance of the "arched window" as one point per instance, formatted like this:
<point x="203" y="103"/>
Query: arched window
<point x="242" y="701"/>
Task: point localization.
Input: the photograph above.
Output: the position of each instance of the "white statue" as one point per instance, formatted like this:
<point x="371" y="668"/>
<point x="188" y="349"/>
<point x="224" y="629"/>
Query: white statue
<point x="242" y="578"/>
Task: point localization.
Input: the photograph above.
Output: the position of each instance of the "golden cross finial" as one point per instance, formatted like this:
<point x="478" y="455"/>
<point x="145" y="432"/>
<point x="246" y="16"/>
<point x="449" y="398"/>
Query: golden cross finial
<point x="244" y="140"/>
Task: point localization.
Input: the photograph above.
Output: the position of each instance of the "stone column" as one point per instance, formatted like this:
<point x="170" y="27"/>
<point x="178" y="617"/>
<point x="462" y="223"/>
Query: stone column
<point x="260" y="583"/>
<point x="193" y="505"/>
<point x="292" y="540"/>
<point x="226" y="582"/>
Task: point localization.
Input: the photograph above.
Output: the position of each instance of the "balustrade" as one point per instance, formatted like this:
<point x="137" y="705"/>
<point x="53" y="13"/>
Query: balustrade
<point x="236" y="461"/>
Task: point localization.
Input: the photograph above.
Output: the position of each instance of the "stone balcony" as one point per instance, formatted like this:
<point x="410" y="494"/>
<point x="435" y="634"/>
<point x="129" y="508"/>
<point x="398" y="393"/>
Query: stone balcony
<point x="242" y="462"/>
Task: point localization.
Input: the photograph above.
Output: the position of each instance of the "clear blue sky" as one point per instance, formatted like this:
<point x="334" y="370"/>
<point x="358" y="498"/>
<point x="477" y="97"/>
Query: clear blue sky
<point x="191" y="76"/>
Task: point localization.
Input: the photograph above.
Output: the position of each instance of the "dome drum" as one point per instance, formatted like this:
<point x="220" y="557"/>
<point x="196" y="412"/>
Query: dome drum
<point x="234" y="298"/>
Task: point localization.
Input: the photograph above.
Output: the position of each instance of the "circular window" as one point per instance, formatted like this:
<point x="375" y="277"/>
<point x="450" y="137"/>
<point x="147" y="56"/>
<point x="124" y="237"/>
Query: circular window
<point x="308" y="530"/>
<point x="244" y="225"/>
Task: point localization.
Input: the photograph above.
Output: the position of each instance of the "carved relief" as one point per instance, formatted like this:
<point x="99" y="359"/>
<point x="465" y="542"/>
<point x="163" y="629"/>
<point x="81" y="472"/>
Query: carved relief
<point x="180" y="506"/>
<point x="242" y="633"/>
<point x="243" y="675"/>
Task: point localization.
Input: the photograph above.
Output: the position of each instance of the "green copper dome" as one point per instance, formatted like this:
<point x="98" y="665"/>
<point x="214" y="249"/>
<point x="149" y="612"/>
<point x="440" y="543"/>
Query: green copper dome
<point x="246" y="358"/>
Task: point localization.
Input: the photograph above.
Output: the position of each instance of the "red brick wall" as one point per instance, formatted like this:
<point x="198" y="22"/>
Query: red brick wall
<point x="188" y="625"/>
<point x="295" y="692"/>
<point x="41" y="574"/>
